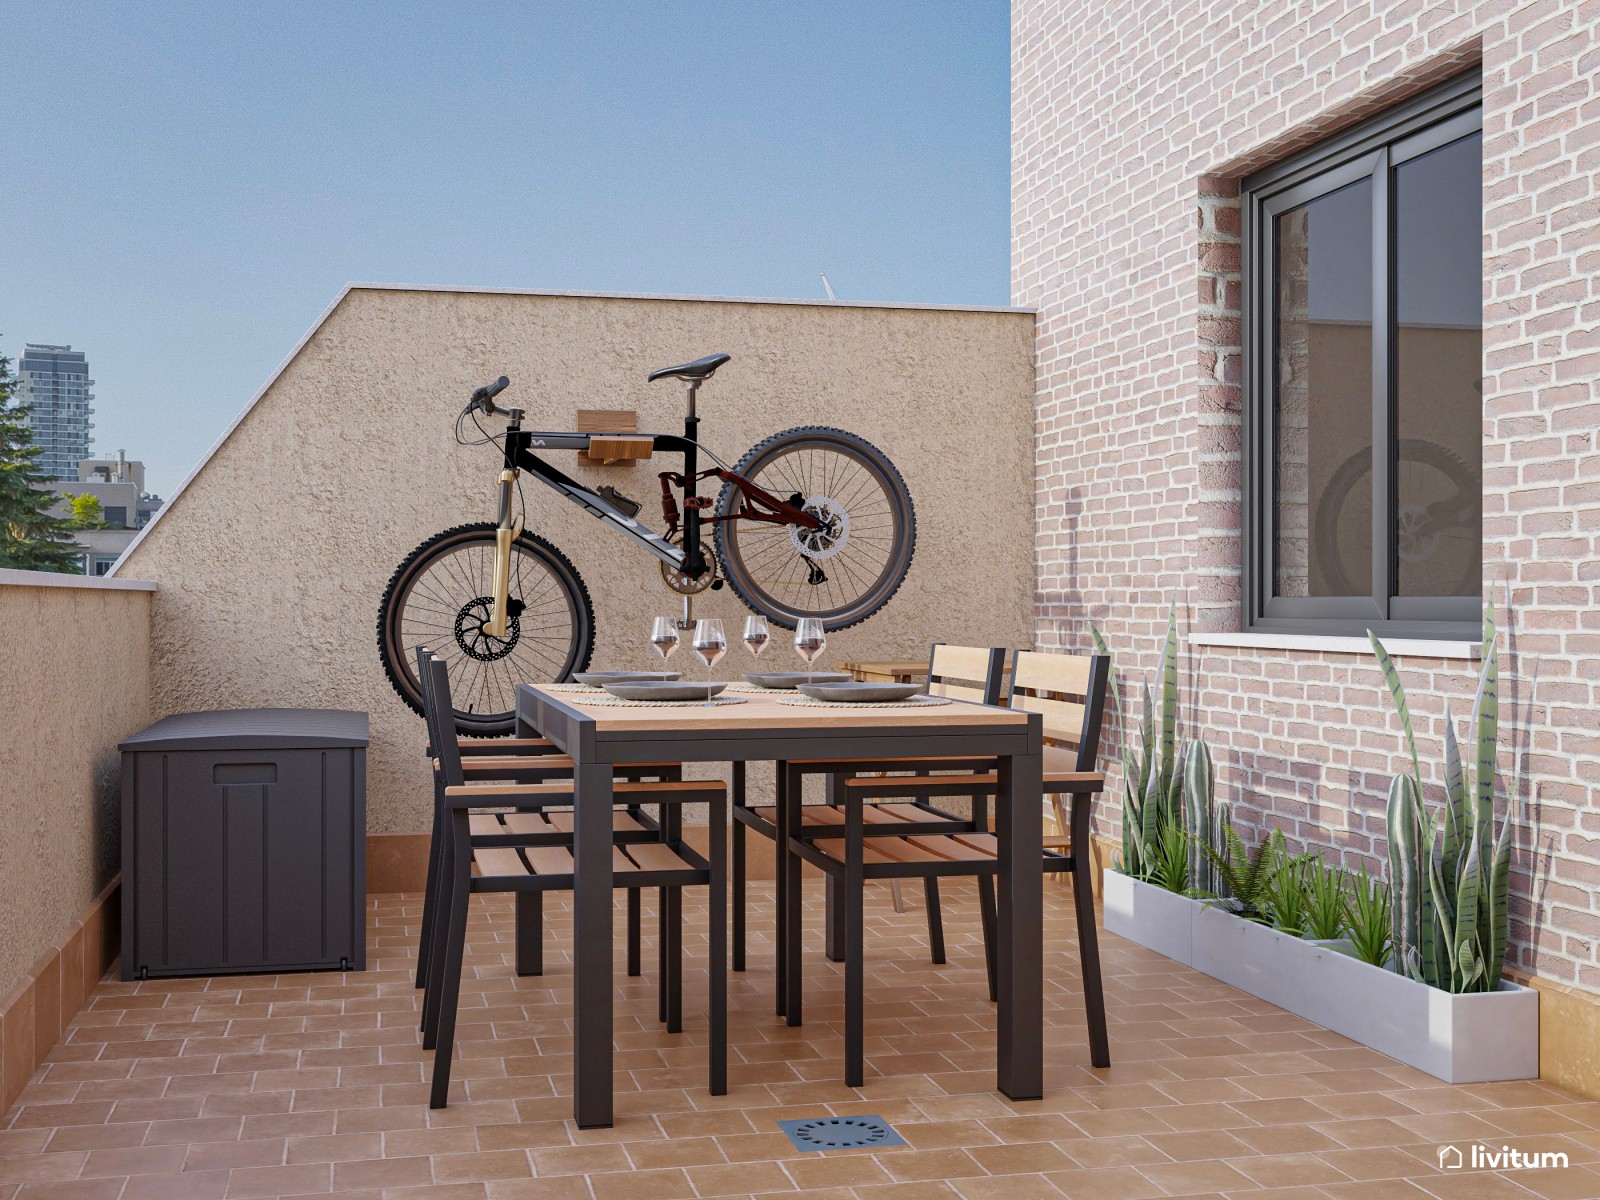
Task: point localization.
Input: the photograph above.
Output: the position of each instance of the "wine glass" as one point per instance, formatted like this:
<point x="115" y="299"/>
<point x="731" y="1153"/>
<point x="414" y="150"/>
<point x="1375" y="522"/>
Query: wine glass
<point x="756" y="635"/>
<point x="710" y="643"/>
<point x="809" y="639"/>
<point x="664" y="636"/>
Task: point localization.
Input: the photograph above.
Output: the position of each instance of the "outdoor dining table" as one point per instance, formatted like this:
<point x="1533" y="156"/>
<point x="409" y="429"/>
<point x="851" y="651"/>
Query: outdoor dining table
<point x="600" y="737"/>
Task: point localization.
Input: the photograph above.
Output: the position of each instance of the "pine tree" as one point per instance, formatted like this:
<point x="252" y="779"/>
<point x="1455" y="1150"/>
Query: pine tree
<point x="31" y="539"/>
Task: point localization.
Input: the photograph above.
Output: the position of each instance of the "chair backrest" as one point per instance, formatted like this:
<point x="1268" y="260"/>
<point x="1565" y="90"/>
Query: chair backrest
<point x="436" y="701"/>
<point x="425" y="686"/>
<point x="966" y="672"/>
<point x="1069" y="692"/>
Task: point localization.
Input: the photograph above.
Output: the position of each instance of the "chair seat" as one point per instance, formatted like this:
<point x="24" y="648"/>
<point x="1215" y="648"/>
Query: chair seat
<point x="872" y="814"/>
<point x="920" y="848"/>
<point x="536" y="823"/>
<point x="521" y="763"/>
<point x="981" y="850"/>
<point x="553" y="865"/>
<point x="493" y="794"/>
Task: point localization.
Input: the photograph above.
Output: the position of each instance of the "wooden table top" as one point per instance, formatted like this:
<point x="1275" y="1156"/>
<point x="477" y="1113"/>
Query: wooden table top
<point x="885" y="666"/>
<point x="759" y="712"/>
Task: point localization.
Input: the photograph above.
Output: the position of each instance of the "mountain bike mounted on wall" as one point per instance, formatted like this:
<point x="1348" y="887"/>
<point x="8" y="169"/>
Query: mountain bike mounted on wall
<point x="811" y="522"/>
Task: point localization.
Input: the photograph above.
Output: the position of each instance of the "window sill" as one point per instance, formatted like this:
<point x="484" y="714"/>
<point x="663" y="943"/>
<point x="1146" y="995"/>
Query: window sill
<point x="1332" y="644"/>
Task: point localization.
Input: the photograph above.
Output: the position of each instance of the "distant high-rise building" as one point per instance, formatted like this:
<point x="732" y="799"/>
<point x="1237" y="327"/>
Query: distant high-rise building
<point x="55" y="385"/>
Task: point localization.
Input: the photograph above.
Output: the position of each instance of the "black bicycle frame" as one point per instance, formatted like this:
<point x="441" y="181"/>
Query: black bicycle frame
<point x="520" y="445"/>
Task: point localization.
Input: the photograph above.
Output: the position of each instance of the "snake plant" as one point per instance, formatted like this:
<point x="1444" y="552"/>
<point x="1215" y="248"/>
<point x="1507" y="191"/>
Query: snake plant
<point x="1168" y="786"/>
<point x="1449" y="870"/>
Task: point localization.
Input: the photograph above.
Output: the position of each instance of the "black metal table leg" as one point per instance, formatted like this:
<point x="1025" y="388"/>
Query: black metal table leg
<point x="592" y="946"/>
<point x="854" y="898"/>
<point x="718" y="818"/>
<point x="1019" y="950"/>
<point x="833" y="908"/>
<point x="739" y="868"/>
<point x="793" y="924"/>
<point x="780" y="943"/>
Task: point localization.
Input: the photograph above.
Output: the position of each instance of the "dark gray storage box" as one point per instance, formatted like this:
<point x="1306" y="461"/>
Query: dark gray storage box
<point x="244" y="843"/>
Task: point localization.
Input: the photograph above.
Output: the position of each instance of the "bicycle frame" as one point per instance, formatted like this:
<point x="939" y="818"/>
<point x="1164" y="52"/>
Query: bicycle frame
<point x="755" y="503"/>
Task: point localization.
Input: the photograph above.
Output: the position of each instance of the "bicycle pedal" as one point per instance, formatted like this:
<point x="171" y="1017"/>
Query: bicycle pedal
<point x="628" y="508"/>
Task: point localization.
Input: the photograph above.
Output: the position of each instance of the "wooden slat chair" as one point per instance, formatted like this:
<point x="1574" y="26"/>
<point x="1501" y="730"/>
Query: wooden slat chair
<point x="960" y="672"/>
<point x="1068" y="691"/>
<point x="528" y="850"/>
<point x="520" y="760"/>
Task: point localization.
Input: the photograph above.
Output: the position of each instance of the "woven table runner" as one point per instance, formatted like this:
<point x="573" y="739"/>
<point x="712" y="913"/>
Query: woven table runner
<point x="911" y="702"/>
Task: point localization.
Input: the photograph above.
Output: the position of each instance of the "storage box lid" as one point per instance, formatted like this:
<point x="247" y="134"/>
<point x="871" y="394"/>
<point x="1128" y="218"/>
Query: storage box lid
<point x="253" y="729"/>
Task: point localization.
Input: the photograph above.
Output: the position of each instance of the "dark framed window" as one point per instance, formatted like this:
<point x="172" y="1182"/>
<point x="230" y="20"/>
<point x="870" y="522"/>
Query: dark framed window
<point x="1363" y="390"/>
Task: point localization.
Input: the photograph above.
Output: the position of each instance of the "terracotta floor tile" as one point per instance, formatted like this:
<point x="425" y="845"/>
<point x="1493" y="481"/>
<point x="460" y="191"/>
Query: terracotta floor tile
<point x="1026" y="1158"/>
<point x="740" y="1179"/>
<point x="1009" y="1187"/>
<point x="914" y="1165"/>
<point x="828" y="1170"/>
<point x="1106" y="1183"/>
<point x="670" y="1184"/>
<point x="204" y="1089"/>
<point x="307" y="1179"/>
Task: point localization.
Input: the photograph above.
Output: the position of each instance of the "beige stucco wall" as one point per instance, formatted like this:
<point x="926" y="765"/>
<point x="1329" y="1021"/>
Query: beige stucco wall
<point x="272" y="561"/>
<point x="76" y="681"/>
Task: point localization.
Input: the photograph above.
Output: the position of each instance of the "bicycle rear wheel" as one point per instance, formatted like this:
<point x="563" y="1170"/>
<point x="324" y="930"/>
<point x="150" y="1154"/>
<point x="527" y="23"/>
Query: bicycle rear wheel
<point x="841" y="573"/>
<point x="440" y="597"/>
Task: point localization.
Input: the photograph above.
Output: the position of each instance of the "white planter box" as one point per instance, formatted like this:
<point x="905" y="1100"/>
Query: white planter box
<point x="1460" y="1039"/>
<point x="1150" y="915"/>
<point x="1254" y="958"/>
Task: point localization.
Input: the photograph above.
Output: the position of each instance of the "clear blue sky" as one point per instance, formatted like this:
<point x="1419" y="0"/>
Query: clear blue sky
<point x="188" y="185"/>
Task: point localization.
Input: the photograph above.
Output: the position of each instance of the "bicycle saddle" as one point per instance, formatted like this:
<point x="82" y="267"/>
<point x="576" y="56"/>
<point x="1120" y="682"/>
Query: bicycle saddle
<point x="700" y="368"/>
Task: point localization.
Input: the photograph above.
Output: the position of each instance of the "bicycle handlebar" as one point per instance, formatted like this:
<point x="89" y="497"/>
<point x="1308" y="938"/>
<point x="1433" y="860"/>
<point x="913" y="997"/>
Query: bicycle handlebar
<point x="484" y="396"/>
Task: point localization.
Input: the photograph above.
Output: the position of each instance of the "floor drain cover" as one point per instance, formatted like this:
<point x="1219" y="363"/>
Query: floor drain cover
<point x="840" y="1133"/>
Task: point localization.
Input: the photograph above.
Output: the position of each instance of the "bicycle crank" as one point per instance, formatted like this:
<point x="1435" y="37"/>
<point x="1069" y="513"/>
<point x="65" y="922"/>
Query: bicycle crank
<point x="685" y="585"/>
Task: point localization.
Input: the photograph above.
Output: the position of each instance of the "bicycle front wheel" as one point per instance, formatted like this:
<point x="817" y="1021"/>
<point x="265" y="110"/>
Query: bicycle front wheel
<point x="844" y="571"/>
<point x="441" y="596"/>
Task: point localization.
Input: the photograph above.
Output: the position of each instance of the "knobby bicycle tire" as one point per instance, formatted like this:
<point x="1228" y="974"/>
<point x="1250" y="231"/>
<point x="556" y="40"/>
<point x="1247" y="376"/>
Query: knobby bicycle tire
<point x="898" y="559"/>
<point x="398" y="659"/>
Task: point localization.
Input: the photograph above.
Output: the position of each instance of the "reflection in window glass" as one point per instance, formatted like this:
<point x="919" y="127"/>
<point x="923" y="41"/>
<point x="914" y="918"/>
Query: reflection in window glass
<point x="1439" y="371"/>
<point x="1323" y="396"/>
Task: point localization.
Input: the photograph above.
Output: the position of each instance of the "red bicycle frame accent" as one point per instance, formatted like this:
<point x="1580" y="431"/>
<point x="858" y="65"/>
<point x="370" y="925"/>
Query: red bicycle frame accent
<point x="781" y="512"/>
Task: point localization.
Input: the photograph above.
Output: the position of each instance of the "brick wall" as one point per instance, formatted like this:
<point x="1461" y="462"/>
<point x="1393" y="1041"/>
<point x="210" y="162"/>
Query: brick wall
<point x="1133" y="121"/>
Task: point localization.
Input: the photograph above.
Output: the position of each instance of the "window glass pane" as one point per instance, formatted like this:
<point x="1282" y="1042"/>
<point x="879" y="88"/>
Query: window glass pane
<point x="1323" y="396"/>
<point x="1439" y="370"/>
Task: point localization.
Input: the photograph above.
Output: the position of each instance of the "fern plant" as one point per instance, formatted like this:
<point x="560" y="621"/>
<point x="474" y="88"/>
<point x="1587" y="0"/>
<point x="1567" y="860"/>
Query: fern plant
<point x="1367" y="921"/>
<point x="1246" y="875"/>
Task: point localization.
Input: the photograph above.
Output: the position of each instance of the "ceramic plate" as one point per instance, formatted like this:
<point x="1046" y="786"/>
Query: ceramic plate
<point x="788" y="680"/>
<point x="663" y="689"/>
<point x="601" y="678"/>
<point x="859" y="693"/>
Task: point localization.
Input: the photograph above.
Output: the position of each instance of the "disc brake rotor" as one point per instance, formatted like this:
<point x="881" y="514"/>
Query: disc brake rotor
<point x="828" y="538"/>
<point x="474" y="642"/>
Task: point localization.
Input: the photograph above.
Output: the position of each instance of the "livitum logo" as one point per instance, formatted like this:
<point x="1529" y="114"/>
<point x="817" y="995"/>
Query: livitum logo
<point x="1477" y="1157"/>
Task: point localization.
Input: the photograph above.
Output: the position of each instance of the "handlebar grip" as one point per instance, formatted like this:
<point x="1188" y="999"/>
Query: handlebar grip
<point x="483" y="398"/>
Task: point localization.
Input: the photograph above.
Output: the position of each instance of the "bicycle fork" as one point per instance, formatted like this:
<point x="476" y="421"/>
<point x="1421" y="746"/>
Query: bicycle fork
<point x="506" y="532"/>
